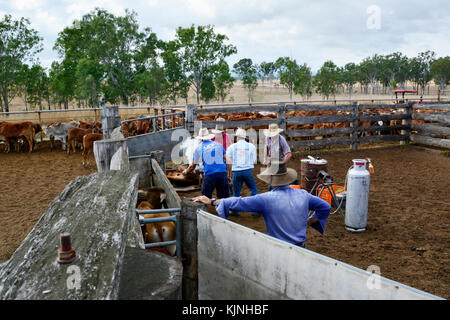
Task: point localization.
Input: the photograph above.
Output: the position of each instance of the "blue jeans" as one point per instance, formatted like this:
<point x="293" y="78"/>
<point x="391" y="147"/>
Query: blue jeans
<point x="218" y="181"/>
<point x="239" y="177"/>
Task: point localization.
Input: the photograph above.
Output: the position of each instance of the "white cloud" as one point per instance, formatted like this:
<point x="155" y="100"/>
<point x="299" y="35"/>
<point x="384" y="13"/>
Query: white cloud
<point x="309" y="31"/>
<point x="28" y="4"/>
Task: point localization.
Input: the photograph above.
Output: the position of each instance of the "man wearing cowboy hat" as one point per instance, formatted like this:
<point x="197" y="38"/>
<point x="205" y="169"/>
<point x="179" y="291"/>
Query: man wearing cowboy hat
<point x="243" y="157"/>
<point x="215" y="165"/>
<point x="277" y="148"/>
<point x="284" y="209"/>
<point x="220" y="135"/>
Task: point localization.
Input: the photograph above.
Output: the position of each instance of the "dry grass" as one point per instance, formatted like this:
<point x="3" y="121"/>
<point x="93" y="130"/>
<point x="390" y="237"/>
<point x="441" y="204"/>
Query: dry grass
<point x="266" y="92"/>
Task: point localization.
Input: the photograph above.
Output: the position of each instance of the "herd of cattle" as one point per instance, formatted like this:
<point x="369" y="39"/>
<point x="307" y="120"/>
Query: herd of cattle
<point x="21" y="135"/>
<point x="384" y="125"/>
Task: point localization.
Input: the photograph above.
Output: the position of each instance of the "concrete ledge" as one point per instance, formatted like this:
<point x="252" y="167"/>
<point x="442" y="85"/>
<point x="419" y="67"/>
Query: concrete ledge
<point x="150" y="275"/>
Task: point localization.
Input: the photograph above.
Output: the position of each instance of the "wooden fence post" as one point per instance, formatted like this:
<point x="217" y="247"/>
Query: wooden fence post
<point x="110" y="121"/>
<point x="408" y="122"/>
<point x="158" y="155"/>
<point x="282" y="116"/>
<point x="189" y="254"/>
<point x="354" y="124"/>
<point x="190" y="117"/>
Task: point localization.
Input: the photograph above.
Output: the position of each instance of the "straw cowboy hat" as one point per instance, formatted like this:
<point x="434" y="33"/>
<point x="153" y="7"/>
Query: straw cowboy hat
<point x="219" y="127"/>
<point x="241" y="133"/>
<point x="277" y="174"/>
<point x="273" y="130"/>
<point x="203" y="134"/>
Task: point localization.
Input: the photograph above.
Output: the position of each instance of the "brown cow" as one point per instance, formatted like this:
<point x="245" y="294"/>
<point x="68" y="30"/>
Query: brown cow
<point x="90" y="125"/>
<point x="15" y="130"/>
<point x="76" y="135"/>
<point x="88" y="145"/>
<point x="159" y="231"/>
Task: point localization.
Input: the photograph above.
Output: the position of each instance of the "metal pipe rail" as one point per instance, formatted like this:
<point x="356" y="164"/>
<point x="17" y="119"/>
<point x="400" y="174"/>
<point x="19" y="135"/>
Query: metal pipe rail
<point x="154" y="117"/>
<point x="173" y="218"/>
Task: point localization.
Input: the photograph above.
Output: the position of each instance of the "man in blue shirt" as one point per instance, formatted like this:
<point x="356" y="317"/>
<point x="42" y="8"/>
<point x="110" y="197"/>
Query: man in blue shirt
<point x="243" y="158"/>
<point x="215" y="165"/>
<point x="284" y="209"/>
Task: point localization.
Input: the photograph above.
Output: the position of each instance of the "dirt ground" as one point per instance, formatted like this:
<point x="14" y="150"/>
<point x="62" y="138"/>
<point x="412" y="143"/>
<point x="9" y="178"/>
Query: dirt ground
<point x="30" y="182"/>
<point x="407" y="233"/>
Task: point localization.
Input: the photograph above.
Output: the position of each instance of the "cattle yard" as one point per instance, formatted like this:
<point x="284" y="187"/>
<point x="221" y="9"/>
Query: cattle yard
<point x="407" y="232"/>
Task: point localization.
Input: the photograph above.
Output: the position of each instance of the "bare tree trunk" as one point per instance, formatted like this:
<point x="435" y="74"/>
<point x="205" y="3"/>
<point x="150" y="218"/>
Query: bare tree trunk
<point x="5" y="98"/>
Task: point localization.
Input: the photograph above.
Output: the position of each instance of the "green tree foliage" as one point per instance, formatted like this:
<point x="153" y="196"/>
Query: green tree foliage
<point x="115" y="43"/>
<point x="177" y="82"/>
<point x="349" y="76"/>
<point x="37" y="86"/>
<point x="426" y="59"/>
<point x="370" y="70"/>
<point x="248" y="72"/>
<point x="288" y="71"/>
<point x="440" y="71"/>
<point x="201" y="49"/>
<point x="266" y="71"/>
<point x="151" y="84"/>
<point x="223" y="81"/>
<point x="18" y="44"/>
<point x="303" y="82"/>
<point x="327" y="79"/>
<point x="88" y="74"/>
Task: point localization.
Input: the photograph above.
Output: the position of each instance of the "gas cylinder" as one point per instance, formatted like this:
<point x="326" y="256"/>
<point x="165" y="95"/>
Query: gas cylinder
<point x="357" y="202"/>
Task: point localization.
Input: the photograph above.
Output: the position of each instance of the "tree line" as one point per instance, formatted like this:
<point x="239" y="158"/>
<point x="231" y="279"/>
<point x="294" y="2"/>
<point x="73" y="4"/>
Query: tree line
<point x="109" y="56"/>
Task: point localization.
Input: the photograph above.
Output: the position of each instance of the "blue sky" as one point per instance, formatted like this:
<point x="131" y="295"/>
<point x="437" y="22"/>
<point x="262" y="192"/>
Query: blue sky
<point x="309" y="31"/>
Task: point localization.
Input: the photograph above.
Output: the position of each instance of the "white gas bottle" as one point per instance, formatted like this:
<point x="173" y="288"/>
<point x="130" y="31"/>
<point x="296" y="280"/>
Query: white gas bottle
<point x="357" y="202"/>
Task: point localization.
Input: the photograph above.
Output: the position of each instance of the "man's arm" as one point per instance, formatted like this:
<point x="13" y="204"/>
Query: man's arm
<point x="321" y="210"/>
<point x="246" y="204"/>
<point x="194" y="163"/>
<point x="229" y="163"/>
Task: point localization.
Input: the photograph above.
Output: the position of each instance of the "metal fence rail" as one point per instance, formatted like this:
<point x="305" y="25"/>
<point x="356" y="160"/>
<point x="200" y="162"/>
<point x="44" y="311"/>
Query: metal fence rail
<point x="174" y="218"/>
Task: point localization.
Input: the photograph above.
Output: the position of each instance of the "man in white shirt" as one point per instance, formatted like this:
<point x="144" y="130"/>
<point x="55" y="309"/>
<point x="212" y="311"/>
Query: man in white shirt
<point x="243" y="157"/>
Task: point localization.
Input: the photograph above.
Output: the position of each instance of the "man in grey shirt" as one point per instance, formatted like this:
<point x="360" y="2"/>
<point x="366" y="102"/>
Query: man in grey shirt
<point x="277" y="148"/>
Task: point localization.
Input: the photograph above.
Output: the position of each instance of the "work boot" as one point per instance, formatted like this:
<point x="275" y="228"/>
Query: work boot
<point x="256" y="214"/>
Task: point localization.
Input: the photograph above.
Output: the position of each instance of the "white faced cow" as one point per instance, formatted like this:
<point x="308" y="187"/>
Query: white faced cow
<point x="59" y="131"/>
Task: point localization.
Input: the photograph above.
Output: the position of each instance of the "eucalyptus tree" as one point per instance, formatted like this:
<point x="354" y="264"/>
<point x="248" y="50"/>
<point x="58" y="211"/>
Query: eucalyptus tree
<point x="223" y="81"/>
<point x="177" y="82"/>
<point x="88" y="74"/>
<point x="19" y="43"/>
<point x="349" y="76"/>
<point x="266" y="71"/>
<point x="288" y="71"/>
<point x="327" y="79"/>
<point x="248" y="72"/>
<point x="440" y="71"/>
<point x="426" y="59"/>
<point x="303" y="82"/>
<point x="115" y="43"/>
<point x="37" y="86"/>
<point x="201" y="49"/>
<point x="370" y="70"/>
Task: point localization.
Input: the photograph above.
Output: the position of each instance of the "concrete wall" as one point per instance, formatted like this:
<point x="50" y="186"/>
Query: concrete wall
<point x="235" y="262"/>
<point x="145" y="143"/>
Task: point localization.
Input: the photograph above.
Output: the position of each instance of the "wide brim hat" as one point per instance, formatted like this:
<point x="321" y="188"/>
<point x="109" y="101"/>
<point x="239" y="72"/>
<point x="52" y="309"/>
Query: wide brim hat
<point x="273" y="130"/>
<point x="203" y="134"/>
<point x="241" y="133"/>
<point x="277" y="174"/>
<point x="219" y="127"/>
